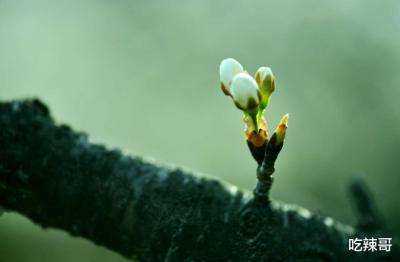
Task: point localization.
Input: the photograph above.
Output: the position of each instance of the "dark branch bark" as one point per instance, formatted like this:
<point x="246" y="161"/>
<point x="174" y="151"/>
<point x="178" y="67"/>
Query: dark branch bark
<point x="369" y="219"/>
<point x="55" y="177"/>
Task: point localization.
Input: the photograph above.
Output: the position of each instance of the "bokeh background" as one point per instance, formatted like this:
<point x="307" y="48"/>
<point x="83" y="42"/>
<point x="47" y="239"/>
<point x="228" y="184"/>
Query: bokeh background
<point x="143" y="76"/>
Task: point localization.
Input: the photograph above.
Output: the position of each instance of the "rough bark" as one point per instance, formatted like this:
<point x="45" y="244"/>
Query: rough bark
<point x="145" y="211"/>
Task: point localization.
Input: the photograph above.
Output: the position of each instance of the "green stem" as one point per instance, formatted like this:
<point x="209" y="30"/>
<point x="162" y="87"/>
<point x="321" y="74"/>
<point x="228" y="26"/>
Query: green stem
<point x="254" y="117"/>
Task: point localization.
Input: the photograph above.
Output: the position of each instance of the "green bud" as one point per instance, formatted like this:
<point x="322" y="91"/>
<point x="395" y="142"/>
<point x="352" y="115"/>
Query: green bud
<point x="266" y="82"/>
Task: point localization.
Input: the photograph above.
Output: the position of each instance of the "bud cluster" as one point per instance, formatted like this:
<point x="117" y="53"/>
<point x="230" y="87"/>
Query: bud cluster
<point x="251" y="95"/>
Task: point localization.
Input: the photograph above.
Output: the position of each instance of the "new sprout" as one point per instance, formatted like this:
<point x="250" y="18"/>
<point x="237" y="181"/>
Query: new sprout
<point x="251" y="95"/>
<point x="280" y="130"/>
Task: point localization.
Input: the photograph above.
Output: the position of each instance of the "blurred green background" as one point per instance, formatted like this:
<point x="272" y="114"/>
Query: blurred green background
<point x="143" y="76"/>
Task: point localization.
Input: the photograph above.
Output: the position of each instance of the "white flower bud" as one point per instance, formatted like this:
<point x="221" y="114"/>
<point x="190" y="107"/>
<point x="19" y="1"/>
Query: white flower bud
<point x="245" y="92"/>
<point x="263" y="72"/>
<point x="266" y="82"/>
<point x="228" y="68"/>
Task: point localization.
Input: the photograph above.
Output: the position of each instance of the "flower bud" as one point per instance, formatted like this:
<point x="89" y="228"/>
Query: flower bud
<point x="228" y="68"/>
<point x="280" y="130"/>
<point x="266" y="82"/>
<point x="245" y="92"/>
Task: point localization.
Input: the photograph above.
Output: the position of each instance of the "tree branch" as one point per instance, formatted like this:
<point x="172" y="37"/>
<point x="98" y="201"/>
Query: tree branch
<point x="139" y="209"/>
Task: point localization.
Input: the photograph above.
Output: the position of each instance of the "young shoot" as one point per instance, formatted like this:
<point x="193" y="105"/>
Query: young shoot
<point x="251" y="95"/>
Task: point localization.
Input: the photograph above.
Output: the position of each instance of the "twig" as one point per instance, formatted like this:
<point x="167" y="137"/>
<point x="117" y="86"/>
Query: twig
<point x="55" y="177"/>
<point x="369" y="219"/>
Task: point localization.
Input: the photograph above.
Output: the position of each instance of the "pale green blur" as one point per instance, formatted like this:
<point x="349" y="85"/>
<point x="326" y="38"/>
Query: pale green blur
<point x="143" y="76"/>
